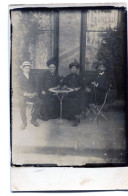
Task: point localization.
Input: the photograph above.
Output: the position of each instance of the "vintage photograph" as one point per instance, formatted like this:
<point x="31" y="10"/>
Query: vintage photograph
<point x="68" y="86"/>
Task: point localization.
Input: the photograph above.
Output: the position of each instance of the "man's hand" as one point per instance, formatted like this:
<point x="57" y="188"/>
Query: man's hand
<point x="95" y="84"/>
<point x="88" y="90"/>
<point x="30" y="95"/>
<point x="43" y="93"/>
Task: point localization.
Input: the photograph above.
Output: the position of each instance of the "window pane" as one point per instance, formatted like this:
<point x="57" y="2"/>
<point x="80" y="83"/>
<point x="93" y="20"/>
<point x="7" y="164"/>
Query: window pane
<point x="44" y="49"/>
<point x="45" y="19"/>
<point x="32" y="29"/>
<point x="100" y="20"/>
<point x="93" y="40"/>
<point x="69" y="39"/>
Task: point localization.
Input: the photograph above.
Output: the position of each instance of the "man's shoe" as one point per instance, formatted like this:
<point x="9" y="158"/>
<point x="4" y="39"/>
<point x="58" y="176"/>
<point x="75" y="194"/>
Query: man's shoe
<point x="75" y="122"/>
<point x="35" y="123"/>
<point x="44" y="118"/>
<point x="83" y="114"/>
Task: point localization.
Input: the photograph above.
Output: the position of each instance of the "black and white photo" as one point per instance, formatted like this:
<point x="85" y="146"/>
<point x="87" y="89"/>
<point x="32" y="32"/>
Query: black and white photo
<point x="68" y="86"/>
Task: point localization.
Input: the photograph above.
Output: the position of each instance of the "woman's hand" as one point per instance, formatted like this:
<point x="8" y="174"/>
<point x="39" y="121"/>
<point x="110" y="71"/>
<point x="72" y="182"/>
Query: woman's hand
<point x="76" y="89"/>
<point x="43" y="93"/>
<point x="35" y="94"/>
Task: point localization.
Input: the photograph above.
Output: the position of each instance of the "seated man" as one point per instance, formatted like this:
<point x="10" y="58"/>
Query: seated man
<point x="27" y="93"/>
<point x="99" y="87"/>
<point x="72" y="102"/>
<point x="51" y="102"/>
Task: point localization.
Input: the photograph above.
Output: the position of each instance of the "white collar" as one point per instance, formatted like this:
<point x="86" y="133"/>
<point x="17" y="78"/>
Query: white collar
<point x="101" y="73"/>
<point x="26" y="75"/>
<point x="52" y="74"/>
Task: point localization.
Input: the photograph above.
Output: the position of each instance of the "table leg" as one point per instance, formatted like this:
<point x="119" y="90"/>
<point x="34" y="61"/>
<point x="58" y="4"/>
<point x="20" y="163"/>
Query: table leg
<point x="61" y="104"/>
<point x="60" y="108"/>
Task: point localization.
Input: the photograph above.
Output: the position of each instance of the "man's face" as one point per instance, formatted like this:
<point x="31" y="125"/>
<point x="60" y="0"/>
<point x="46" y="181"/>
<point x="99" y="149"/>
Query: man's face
<point x="52" y="68"/>
<point x="26" y="69"/>
<point x="101" y="68"/>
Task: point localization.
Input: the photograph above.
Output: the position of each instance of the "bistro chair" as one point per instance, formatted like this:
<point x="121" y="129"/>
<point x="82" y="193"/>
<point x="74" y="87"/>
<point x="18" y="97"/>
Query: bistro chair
<point x="97" y="110"/>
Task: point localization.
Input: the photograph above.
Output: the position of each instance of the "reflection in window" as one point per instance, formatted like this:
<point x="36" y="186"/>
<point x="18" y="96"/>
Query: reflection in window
<point x="44" y="49"/>
<point x="93" y="41"/>
<point x="69" y="39"/>
<point x="100" y="20"/>
<point x="33" y="35"/>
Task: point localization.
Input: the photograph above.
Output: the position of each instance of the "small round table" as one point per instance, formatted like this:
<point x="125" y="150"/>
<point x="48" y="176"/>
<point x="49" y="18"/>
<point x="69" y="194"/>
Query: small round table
<point x="60" y="93"/>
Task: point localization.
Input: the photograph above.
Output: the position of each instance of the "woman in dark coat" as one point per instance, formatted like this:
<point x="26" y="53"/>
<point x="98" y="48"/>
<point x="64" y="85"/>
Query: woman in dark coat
<point x="50" y="110"/>
<point x="72" y="102"/>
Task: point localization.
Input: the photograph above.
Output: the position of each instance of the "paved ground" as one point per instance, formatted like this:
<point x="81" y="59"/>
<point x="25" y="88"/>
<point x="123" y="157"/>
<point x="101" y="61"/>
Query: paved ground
<point x="55" y="142"/>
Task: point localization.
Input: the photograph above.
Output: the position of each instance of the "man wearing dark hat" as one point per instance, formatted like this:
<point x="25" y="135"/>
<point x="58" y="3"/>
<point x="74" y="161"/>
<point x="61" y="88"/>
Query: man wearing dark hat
<point x="72" y="102"/>
<point x="27" y="93"/>
<point x="49" y="80"/>
<point x="100" y="86"/>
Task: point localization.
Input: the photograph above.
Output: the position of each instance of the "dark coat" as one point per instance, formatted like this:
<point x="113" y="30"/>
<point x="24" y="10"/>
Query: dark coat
<point x="26" y="85"/>
<point x="72" y="102"/>
<point x="29" y="86"/>
<point x="103" y="82"/>
<point x="98" y="93"/>
<point x="72" y="81"/>
<point x="51" y="102"/>
<point x="49" y="81"/>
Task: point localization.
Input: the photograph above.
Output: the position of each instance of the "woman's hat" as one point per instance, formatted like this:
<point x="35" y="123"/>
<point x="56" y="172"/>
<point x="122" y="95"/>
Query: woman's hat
<point x="25" y="63"/>
<point x="53" y="60"/>
<point x="75" y="63"/>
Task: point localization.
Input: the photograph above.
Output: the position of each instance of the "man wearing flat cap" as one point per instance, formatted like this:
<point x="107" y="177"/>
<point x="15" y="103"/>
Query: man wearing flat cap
<point x="27" y="93"/>
<point x="72" y="102"/>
